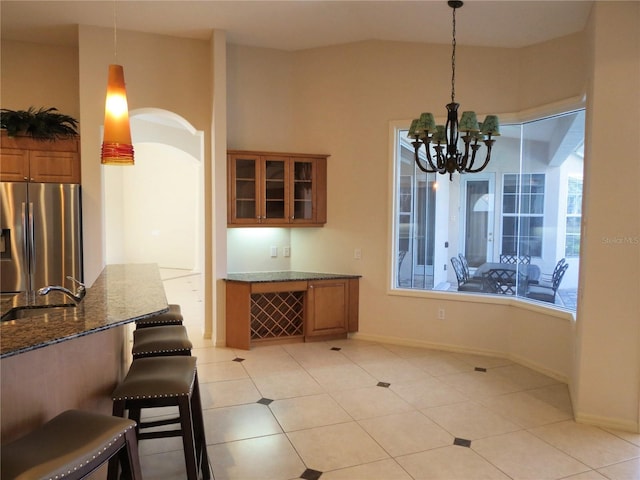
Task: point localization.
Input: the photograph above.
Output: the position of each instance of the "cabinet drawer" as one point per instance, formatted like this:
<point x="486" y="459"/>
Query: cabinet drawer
<point x="272" y="287"/>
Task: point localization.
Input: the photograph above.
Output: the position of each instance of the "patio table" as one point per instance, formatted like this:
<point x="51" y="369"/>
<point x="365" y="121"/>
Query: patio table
<point x="532" y="271"/>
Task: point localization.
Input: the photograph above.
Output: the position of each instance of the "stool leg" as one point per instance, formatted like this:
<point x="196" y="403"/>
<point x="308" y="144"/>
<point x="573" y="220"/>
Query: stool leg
<point x="186" y="422"/>
<point x="198" y="427"/>
<point x="118" y="411"/>
<point x="135" y="414"/>
<point x="130" y="458"/>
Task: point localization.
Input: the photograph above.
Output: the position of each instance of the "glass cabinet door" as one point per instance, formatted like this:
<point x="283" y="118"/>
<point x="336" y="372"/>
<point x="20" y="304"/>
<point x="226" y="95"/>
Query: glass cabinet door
<point x="275" y="189"/>
<point x="245" y="189"/>
<point x="303" y="173"/>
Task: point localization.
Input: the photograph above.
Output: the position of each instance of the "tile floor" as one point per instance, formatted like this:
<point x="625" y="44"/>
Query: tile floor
<point x="357" y="410"/>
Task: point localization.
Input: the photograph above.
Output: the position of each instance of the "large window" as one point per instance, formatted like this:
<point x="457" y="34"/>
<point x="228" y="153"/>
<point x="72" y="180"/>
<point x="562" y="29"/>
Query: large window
<point x="522" y="210"/>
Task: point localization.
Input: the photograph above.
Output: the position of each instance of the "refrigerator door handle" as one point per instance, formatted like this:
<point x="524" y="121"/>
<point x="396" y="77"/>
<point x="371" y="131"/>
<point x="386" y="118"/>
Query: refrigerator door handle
<point x="32" y="253"/>
<point x="25" y="237"/>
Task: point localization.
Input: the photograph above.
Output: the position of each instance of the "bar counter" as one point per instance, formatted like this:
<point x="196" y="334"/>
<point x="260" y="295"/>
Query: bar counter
<point x="58" y="361"/>
<point x="122" y="294"/>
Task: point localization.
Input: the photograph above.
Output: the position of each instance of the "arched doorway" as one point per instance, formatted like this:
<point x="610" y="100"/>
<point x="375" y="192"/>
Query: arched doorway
<point x="154" y="211"/>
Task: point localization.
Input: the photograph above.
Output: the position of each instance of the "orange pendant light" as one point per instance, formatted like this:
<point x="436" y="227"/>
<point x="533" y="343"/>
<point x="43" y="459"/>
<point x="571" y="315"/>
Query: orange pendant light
<point x="116" y="143"/>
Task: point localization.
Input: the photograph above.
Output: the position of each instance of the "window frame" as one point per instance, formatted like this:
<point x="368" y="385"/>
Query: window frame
<point x="570" y="106"/>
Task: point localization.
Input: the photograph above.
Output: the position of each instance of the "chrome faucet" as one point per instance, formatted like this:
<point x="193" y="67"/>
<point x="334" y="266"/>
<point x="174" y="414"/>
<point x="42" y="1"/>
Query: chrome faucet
<point x="77" y="296"/>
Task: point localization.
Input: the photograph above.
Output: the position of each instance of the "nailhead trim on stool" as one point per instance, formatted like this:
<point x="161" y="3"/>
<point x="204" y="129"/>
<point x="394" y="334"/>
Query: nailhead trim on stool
<point x="172" y="317"/>
<point x="71" y="446"/>
<point x="159" y="382"/>
<point x="159" y="341"/>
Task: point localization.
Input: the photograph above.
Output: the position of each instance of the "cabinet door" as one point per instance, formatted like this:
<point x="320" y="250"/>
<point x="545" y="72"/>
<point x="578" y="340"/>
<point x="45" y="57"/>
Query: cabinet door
<point x="303" y="191"/>
<point x="327" y="307"/>
<point x="275" y="188"/>
<point x="308" y="191"/>
<point x="243" y="206"/>
<point x="14" y="165"/>
<point x="54" y="167"/>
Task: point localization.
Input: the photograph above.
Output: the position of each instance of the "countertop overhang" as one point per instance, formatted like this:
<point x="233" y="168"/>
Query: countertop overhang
<point x="121" y="294"/>
<point x="284" y="276"/>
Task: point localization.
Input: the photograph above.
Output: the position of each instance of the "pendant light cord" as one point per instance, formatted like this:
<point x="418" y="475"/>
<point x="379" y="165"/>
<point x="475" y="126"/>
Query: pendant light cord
<point x="453" y="60"/>
<point x="115" y="36"/>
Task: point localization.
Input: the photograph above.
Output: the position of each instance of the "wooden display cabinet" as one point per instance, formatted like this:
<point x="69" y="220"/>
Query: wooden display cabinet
<point x="24" y="159"/>
<point x="290" y="311"/>
<point x="276" y="189"/>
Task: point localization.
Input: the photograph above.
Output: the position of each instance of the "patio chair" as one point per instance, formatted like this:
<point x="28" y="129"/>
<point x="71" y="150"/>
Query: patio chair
<point x="465" y="284"/>
<point x="546" y="279"/>
<point x="515" y="259"/>
<point x="547" y="293"/>
<point x="465" y="266"/>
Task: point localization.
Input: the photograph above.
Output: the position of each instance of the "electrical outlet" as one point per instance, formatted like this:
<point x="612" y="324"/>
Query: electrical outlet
<point x="357" y="254"/>
<point x="441" y="314"/>
<point x="274" y="251"/>
<point x="286" y="251"/>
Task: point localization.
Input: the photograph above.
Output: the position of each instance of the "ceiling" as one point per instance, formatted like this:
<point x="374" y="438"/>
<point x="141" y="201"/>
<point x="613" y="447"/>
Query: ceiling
<point x="302" y="24"/>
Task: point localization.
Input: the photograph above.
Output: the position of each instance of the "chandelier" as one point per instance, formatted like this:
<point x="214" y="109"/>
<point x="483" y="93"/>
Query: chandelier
<point x="446" y="157"/>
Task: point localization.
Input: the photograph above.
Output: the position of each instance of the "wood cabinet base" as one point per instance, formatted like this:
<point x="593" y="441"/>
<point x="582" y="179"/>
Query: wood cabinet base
<point x="286" y="312"/>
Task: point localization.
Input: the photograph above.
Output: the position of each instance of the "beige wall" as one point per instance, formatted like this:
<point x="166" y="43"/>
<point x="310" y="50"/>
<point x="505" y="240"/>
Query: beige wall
<point x="39" y="76"/>
<point x="340" y="100"/>
<point x="606" y="386"/>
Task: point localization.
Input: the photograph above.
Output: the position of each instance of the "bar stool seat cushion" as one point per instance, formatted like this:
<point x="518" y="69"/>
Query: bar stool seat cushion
<point x="62" y="446"/>
<point x="157" y="377"/>
<point x="162" y="340"/>
<point x="172" y="317"/>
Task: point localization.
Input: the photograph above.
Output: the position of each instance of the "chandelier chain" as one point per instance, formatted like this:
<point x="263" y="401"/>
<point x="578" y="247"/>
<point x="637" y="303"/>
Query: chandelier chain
<point x="453" y="60"/>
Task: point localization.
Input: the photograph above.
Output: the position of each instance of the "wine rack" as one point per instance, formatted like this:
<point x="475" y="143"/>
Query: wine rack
<point x="275" y="315"/>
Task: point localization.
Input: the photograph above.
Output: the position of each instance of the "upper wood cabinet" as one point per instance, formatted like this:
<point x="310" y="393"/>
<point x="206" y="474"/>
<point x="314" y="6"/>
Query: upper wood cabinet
<point x="24" y="159"/>
<point x="276" y="189"/>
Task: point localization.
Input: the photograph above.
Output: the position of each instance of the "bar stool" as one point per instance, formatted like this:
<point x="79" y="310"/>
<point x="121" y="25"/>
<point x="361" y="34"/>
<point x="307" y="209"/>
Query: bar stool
<point x="71" y="446"/>
<point x="172" y="317"/>
<point x="161" y="341"/>
<point x="160" y="382"/>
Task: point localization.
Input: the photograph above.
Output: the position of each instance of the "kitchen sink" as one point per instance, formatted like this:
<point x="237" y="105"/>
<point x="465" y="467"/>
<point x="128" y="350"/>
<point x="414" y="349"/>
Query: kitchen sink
<point x="37" y="310"/>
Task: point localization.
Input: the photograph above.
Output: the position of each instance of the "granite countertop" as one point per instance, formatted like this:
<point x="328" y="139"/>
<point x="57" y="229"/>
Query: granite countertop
<point x="263" y="277"/>
<point x="121" y="294"/>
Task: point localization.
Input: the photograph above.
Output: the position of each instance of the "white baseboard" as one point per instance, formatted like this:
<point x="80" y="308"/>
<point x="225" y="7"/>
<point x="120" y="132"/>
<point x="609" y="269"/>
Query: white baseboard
<point x="458" y="349"/>
<point x="607" y="422"/>
<point x="422" y="344"/>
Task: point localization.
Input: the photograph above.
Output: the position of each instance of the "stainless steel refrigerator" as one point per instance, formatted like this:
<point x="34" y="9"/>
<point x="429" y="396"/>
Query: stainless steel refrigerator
<point x="41" y="235"/>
